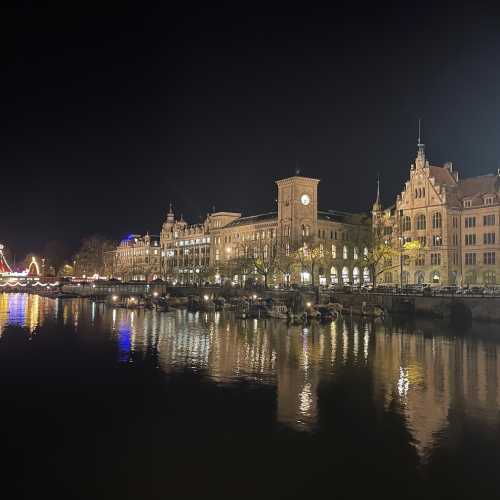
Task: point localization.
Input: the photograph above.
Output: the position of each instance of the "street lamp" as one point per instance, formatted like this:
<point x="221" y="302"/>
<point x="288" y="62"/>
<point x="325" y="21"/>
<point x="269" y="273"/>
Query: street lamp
<point x="401" y="240"/>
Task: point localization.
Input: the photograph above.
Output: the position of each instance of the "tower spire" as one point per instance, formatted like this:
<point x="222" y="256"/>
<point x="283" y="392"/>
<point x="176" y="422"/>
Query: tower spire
<point x="420" y="146"/>
<point x="170" y="215"/>
<point x="377" y="205"/>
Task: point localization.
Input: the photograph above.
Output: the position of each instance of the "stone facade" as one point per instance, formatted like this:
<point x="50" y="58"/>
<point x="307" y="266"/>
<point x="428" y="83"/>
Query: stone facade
<point x="455" y="222"/>
<point x="136" y="258"/>
<point x="195" y="253"/>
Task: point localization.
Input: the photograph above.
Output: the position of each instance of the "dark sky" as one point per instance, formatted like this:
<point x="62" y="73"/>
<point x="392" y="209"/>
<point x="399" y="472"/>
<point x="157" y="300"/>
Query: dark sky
<point x="110" y="115"/>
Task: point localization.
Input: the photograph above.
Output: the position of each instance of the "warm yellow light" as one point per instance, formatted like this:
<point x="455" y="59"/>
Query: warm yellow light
<point x="205" y="297"/>
<point x="132" y="299"/>
<point x="308" y="304"/>
<point x="115" y="297"/>
<point x="254" y="297"/>
<point x="155" y="294"/>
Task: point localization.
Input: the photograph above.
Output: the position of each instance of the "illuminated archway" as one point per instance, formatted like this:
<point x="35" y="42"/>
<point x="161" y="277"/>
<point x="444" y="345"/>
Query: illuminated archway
<point x="33" y="269"/>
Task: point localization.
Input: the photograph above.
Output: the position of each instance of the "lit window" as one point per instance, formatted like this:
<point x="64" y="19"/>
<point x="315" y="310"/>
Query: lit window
<point x="437" y="220"/>
<point x="345" y="275"/>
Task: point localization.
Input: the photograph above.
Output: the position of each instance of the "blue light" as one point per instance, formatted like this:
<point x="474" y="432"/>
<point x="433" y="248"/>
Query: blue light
<point x="124" y="342"/>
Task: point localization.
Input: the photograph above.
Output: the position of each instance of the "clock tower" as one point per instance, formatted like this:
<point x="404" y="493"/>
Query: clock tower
<point x="297" y="209"/>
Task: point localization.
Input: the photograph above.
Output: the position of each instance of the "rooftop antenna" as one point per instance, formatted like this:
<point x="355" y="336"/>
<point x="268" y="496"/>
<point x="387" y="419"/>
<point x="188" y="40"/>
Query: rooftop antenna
<point x="419" y="130"/>
<point x="297" y="169"/>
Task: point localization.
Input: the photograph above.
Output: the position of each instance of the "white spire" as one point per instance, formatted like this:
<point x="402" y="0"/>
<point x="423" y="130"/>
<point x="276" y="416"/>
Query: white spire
<point x="420" y="146"/>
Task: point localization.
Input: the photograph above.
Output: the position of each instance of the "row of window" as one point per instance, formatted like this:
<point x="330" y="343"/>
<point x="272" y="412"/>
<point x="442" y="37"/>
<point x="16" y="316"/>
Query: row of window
<point x="488" y="239"/>
<point x="420" y="192"/>
<point x="346" y="277"/>
<point x="421" y="221"/>
<point x="488" y="200"/>
<point x="197" y="241"/>
<point x="488" y="258"/>
<point x="437" y="221"/>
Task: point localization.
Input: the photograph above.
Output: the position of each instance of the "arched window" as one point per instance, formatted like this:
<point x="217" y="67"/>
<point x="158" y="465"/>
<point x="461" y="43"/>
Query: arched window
<point x="265" y="251"/>
<point x="344" y="252"/>
<point x="388" y="277"/>
<point x="366" y="275"/>
<point x="437" y="220"/>
<point x="345" y="275"/>
<point x="435" y="277"/>
<point x="406" y="223"/>
<point x="365" y="251"/>
<point x="419" y="277"/>
<point x="334" y="277"/>
<point x="470" y="278"/>
<point x="421" y="222"/>
<point x="355" y="253"/>
<point x="334" y="252"/>
<point x="489" y="278"/>
<point x="356" y="279"/>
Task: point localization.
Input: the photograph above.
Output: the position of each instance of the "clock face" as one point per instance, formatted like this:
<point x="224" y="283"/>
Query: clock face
<point x="304" y="199"/>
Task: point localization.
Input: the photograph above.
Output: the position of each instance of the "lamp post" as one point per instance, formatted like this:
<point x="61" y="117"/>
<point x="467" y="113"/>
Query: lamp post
<point x="401" y="239"/>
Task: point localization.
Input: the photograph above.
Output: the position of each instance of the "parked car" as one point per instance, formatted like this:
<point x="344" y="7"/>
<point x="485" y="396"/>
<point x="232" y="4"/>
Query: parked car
<point x="385" y="289"/>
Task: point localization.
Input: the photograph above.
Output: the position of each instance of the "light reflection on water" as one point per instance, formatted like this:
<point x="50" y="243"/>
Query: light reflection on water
<point x="426" y="371"/>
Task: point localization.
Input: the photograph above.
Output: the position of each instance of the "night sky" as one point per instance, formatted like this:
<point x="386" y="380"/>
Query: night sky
<point x="110" y="115"/>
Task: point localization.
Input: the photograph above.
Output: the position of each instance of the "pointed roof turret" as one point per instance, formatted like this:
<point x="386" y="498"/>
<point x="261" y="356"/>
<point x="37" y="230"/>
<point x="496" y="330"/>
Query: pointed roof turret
<point x="170" y="215"/>
<point x="420" y="148"/>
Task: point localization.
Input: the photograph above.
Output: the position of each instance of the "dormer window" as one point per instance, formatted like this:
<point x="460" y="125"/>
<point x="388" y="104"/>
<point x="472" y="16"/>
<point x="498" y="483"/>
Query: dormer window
<point x="467" y="203"/>
<point x="488" y="200"/>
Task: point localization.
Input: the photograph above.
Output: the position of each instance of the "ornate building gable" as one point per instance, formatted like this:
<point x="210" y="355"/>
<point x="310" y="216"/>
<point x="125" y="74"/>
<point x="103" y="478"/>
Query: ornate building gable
<point x="428" y="185"/>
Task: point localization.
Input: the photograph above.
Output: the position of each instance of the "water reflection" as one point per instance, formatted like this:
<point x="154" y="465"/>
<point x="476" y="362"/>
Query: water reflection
<point x="25" y="310"/>
<point x="425" y="370"/>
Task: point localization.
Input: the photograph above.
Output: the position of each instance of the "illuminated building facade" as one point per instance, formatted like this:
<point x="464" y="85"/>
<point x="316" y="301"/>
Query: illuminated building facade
<point x="193" y="253"/>
<point x="136" y="258"/>
<point x="455" y="223"/>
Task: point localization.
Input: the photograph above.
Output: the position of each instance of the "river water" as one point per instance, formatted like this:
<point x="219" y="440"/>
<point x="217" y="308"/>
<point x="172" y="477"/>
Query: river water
<point x="100" y="402"/>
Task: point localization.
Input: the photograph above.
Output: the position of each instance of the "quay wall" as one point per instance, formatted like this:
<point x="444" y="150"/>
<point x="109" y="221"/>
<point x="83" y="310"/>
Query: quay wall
<point x="458" y="308"/>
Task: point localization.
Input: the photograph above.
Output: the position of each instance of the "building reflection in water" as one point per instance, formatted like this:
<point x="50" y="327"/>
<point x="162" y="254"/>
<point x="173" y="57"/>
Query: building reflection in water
<point x="426" y="368"/>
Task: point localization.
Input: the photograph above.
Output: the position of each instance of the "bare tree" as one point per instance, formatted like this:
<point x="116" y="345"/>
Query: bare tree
<point x="310" y="257"/>
<point x="89" y="259"/>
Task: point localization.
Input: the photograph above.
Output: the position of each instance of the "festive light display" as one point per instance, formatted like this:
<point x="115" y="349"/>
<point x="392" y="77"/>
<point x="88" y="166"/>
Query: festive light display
<point x="4" y="267"/>
<point x="33" y="269"/>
